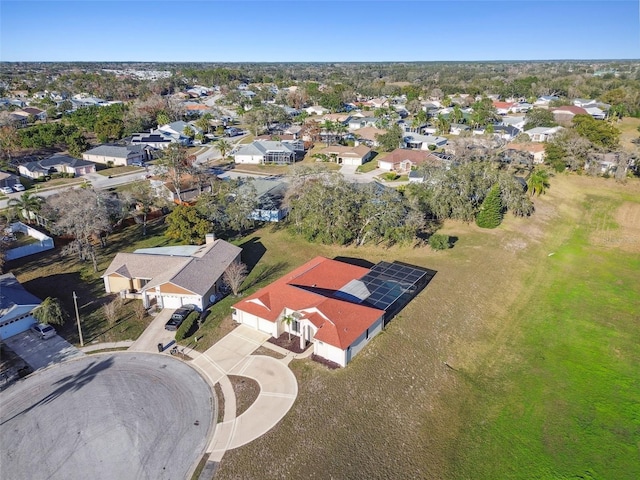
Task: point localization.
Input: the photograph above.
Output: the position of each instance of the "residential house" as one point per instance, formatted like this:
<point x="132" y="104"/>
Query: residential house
<point x="270" y="198"/>
<point x="265" y="152"/>
<point x="295" y="143"/>
<point x="458" y="128"/>
<point x="337" y="306"/>
<point x="38" y="114"/>
<point x="596" y="112"/>
<point x="177" y="129"/>
<point x="517" y="121"/>
<point x="19" y="118"/>
<point x="356" y="123"/>
<point x="316" y="110"/>
<point x="536" y="150"/>
<point x="545" y="100"/>
<point x="402" y="160"/>
<point x="584" y="103"/>
<point x="157" y="141"/>
<point x="503" y="108"/>
<point x="375" y="103"/>
<point x="170" y="277"/>
<point x="542" y="134"/>
<point x="566" y="113"/>
<point x="16" y="307"/>
<point x="117" y="155"/>
<point x="56" y="164"/>
<point x="368" y="136"/>
<point x="422" y="142"/>
<point x="348" y="155"/>
<point x="506" y="132"/>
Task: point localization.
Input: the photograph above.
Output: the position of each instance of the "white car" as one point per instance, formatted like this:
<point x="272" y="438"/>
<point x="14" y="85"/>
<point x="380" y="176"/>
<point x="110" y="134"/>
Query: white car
<point x="6" y="190"/>
<point x="43" y="330"/>
<point x="18" y="187"/>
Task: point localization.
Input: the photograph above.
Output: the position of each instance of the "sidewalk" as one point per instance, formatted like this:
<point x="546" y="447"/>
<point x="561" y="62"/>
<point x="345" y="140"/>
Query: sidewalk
<point x="96" y="347"/>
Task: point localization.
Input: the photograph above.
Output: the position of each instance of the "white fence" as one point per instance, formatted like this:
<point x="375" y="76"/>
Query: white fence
<point x="43" y="244"/>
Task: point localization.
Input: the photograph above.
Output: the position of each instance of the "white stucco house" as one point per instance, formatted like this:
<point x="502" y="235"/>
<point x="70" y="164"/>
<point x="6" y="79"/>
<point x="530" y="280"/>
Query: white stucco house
<point x="262" y="152"/>
<point x="338" y="307"/>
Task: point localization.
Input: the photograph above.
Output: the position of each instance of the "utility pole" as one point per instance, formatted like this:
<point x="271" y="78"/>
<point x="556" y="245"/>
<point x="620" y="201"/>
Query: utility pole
<point x="75" y="303"/>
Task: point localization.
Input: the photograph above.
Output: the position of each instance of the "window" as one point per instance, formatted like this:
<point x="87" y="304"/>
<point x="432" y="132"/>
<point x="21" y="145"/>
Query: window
<point x="367" y="334"/>
<point x="295" y="326"/>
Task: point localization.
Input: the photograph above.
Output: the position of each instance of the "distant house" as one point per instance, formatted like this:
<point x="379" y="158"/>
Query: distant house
<point x="117" y="155"/>
<point x="536" y="150"/>
<point x="337" y="306"/>
<point x="503" y="108"/>
<point x="265" y="152"/>
<point x="348" y="155"/>
<point x="545" y="100"/>
<point x="292" y="140"/>
<point x="402" y="160"/>
<point x="158" y="141"/>
<point x="56" y="164"/>
<point x="566" y="113"/>
<point x="357" y="123"/>
<point x="542" y="134"/>
<point x="170" y="277"/>
<point x="316" y="110"/>
<point x="368" y="136"/>
<point x="514" y="121"/>
<point x="584" y="103"/>
<point x="596" y="112"/>
<point x="507" y="132"/>
<point x="421" y="142"/>
<point x="270" y="198"/>
<point x="36" y="113"/>
<point x="16" y="307"/>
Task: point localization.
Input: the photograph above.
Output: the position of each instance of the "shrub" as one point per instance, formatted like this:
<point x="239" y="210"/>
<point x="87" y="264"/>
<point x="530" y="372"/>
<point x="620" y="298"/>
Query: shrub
<point x="438" y="241"/>
<point x="186" y="328"/>
<point x="391" y="176"/>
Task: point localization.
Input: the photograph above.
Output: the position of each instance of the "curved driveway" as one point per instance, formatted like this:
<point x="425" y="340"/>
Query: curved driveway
<point x="278" y="388"/>
<point x="116" y="415"/>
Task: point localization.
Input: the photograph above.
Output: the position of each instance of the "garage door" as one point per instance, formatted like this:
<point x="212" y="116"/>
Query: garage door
<point x="172" y="301"/>
<point x="15" y="327"/>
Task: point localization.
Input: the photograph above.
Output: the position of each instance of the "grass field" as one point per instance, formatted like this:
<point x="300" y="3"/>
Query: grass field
<point x="519" y="360"/>
<point x="629" y="131"/>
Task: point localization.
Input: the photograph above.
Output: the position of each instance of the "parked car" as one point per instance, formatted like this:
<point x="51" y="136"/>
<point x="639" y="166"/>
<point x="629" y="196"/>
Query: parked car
<point x="137" y="163"/>
<point x="179" y="316"/>
<point x="6" y="190"/>
<point x="43" y="331"/>
<point x="18" y="187"/>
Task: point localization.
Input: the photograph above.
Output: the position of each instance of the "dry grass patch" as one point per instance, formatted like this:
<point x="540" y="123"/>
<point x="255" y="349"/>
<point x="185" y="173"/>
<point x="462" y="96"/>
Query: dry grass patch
<point x="246" y="391"/>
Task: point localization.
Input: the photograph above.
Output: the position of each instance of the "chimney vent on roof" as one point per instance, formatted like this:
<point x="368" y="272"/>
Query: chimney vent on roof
<point x="209" y="238"/>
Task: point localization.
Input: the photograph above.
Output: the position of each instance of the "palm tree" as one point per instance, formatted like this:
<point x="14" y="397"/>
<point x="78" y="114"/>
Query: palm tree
<point x="223" y="146"/>
<point x="288" y="321"/>
<point x="329" y="127"/>
<point x="538" y="181"/>
<point x="26" y="206"/>
<point x="442" y="125"/>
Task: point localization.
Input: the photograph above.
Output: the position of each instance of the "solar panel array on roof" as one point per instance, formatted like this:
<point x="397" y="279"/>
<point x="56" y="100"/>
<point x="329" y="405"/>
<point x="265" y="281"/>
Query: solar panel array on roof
<point x="390" y="282"/>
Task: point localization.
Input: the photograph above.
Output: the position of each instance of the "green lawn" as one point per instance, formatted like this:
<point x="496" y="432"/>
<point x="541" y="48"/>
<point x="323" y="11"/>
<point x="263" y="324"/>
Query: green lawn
<point x="566" y="402"/>
<point x="368" y="167"/>
<point x="109" y="172"/>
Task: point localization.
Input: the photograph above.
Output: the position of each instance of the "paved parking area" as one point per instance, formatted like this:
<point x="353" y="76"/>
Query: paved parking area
<point x="40" y="353"/>
<point x="116" y="415"/>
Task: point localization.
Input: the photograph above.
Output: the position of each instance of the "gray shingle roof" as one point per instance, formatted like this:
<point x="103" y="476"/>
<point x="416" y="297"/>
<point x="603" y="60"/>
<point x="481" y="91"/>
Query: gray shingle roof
<point x="115" y="151"/>
<point x="12" y="294"/>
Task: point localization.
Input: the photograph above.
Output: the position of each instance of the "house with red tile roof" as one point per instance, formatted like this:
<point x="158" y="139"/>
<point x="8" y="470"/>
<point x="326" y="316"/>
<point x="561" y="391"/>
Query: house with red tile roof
<point x="502" y="108"/>
<point x="566" y="113"/>
<point x="337" y="306"/>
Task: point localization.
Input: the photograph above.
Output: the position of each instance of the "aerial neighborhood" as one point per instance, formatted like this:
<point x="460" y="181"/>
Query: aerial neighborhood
<point x="312" y="249"/>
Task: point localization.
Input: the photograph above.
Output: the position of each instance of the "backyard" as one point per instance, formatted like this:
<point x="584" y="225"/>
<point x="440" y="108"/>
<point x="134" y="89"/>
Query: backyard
<point x="519" y="360"/>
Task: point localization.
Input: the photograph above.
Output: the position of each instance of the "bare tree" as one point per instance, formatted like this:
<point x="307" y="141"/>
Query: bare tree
<point x="234" y="275"/>
<point x="84" y="215"/>
<point x="139" y="311"/>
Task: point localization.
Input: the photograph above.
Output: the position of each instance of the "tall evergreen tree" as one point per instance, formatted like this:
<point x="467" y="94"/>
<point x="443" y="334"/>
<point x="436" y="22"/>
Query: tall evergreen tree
<point x="490" y="213"/>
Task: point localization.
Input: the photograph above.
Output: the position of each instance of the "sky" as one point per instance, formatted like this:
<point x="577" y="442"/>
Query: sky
<point x="318" y="30"/>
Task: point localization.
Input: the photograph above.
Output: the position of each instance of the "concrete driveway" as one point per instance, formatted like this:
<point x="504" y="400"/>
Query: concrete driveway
<point x="155" y="334"/>
<point x="40" y="353"/>
<point x="278" y="387"/>
<point x="106" y="416"/>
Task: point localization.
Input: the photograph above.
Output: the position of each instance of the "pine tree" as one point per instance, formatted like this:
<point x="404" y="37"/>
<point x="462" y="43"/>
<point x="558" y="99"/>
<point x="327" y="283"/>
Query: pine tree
<point x="490" y="214"/>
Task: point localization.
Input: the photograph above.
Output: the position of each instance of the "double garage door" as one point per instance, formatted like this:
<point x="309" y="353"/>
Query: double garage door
<point x="176" y="301"/>
<point x="15" y="327"/>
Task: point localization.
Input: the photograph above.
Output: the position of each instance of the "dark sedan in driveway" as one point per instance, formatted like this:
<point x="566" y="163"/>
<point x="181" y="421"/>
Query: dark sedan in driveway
<point x="179" y="316"/>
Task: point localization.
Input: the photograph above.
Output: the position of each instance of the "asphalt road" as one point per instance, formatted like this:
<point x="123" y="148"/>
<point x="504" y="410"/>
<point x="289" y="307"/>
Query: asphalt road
<point x="106" y="416"/>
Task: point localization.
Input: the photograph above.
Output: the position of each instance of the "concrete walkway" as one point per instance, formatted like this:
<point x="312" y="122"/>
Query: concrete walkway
<point x="278" y="388"/>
